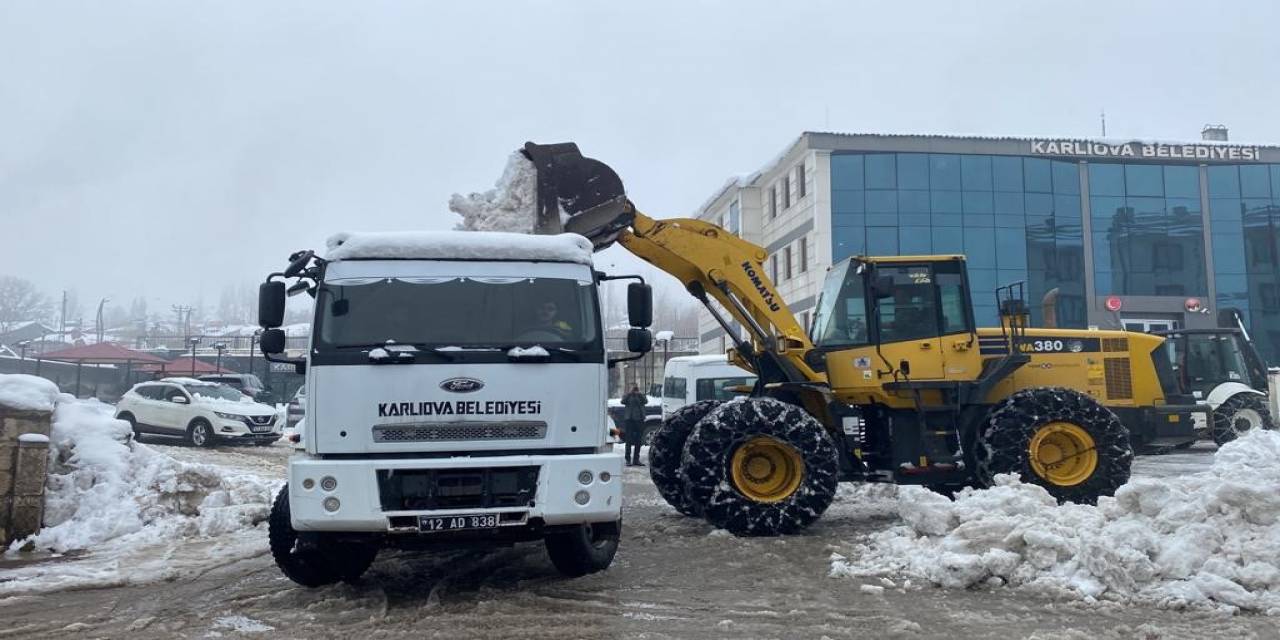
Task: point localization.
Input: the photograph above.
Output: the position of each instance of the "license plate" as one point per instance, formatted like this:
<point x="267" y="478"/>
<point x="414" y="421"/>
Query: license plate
<point x="429" y="524"/>
<point x="257" y="429"/>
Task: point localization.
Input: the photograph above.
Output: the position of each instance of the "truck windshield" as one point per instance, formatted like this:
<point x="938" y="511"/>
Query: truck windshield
<point x="464" y="312"/>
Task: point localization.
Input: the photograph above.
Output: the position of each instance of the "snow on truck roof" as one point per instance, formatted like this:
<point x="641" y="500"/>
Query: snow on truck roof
<point x="459" y="245"/>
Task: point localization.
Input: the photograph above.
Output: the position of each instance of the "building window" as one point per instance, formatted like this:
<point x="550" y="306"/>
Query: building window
<point x="800" y="189"/>
<point x="733" y="219"/>
<point x="804" y="254"/>
<point x="773" y="201"/>
<point x="773" y="267"/>
<point x="786" y="262"/>
<point x="804" y="322"/>
<point x="786" y="192"/>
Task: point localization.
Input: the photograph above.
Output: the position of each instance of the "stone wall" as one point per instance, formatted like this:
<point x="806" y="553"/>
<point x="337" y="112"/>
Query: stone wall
<point x="24" y="461"/>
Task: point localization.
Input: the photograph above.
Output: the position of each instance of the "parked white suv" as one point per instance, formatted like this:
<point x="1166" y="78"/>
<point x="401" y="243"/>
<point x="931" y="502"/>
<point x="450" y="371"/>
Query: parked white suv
<point x="202" y="412"/>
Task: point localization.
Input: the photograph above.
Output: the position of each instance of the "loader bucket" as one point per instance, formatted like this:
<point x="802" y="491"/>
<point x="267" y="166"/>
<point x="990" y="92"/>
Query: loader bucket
<point x="577" y="194"/>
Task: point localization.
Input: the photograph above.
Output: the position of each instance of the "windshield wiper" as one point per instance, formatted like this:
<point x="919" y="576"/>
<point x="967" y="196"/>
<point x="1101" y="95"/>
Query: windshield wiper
<point x="399" y="353"/>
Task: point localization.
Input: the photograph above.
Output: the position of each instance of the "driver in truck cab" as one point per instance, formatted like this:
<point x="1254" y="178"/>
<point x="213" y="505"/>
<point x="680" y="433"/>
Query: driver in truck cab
<point x="547" y="319"/>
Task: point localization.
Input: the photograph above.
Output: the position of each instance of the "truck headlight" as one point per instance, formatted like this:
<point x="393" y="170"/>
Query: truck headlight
<point x="328" y="483"/>
<point x="331" y="504"/>
<point x="582" y="497"/>
<point x="585" y="477"/>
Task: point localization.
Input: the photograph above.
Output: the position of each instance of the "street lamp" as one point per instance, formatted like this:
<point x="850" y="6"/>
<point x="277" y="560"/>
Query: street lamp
<point x="194" y="341"/>
<point x="220" y="347"/>
<point x="100" y="303"/>
<point x="253" y="343"/>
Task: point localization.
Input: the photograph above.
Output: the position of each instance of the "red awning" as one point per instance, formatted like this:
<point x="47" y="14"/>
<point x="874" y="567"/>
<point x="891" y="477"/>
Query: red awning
<point x="101" y="353"/>
<point x="183" y="366"/>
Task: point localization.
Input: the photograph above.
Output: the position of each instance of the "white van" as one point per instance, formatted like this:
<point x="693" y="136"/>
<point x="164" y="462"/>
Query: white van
<point x="689" y="379"/>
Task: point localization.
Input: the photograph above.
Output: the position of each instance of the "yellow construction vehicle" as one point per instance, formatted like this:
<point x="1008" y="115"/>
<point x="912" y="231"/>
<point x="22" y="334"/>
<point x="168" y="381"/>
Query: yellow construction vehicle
<point x="898" y="384"/>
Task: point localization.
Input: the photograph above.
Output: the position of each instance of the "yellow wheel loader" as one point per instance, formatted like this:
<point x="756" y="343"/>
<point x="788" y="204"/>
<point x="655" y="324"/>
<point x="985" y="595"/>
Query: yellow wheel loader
<point x="897" y="385"/>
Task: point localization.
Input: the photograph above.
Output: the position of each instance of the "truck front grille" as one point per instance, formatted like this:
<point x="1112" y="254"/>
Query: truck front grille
<point x="431" y="489"/>
<point x="459" y="431"/>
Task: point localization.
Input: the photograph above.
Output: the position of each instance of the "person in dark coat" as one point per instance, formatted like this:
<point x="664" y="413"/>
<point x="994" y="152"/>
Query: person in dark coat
<point x="633" y="425"/>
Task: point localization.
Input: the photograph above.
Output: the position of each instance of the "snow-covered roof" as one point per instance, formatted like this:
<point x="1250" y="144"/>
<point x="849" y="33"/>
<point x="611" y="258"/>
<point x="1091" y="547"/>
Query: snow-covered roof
<point x="703" y="359"/>
<point x="459" y="245"/>
<point x="990" y="138"/>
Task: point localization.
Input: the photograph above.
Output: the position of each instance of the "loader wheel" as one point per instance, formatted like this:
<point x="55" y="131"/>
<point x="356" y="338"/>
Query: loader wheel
<point x="666" y="448"/>
<point x="760" y="467"/>
<point x="1240" y="413"/>
<point x="313" y="561"/>
<point x="1060" y="439"/>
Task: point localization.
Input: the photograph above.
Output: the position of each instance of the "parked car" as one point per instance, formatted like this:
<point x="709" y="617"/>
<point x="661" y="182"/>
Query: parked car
<point x="245" y="383"/>
<point x="202" y="412"/>
<point x="688" y="379"/>
<point x="297" y="408"/>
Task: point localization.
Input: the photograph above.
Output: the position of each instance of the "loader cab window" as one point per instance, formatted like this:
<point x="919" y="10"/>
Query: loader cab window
<point x="841" y="316"/>
<point x="915" y="302"/>
<point x="908" y="310"/>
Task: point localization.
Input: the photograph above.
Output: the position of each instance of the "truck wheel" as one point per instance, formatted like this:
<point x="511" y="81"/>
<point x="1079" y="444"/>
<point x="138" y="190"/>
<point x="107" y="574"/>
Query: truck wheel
<point x="584" y="549"/>
<point x="666" y="448"/>
<point x="200" y="433"/>
<point x="312" y="561"/>
<point x="1240" y="413"/>
<point x="760" y="467"/>
<point x="1060" y="439"/>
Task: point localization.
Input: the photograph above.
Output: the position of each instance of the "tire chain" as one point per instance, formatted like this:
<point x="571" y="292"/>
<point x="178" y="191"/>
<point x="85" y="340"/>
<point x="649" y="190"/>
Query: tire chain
<point x="708" y="454"/>
<point x="667" y="449"/>
<point x="1004" y="442"/>
<point x="1223" y="430"/>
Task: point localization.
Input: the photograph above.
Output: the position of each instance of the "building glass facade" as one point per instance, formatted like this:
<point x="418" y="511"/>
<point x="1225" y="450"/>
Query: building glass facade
<point x="1244" y="212"/>
<point x="1148" y="234"/>
<point x="1014" y="218"/>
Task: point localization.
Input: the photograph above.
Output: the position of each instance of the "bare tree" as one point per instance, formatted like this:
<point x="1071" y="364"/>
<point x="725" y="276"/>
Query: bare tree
<point x="20" y="301"/>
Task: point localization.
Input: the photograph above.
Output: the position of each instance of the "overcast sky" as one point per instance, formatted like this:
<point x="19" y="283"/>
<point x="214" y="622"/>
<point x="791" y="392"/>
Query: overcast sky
<point x="163" y="149"/>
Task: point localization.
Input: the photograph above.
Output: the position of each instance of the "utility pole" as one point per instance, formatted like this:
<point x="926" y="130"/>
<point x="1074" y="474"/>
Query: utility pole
<point x="184" y="319"/>
<point x="62" y="318"/>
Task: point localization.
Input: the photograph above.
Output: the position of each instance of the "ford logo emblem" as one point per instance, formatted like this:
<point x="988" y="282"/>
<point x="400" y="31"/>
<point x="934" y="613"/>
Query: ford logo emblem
<point x="461" y="385"/>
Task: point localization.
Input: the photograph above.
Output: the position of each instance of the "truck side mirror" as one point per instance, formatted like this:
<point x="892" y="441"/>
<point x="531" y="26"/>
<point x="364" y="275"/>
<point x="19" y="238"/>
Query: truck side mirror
<point x="640" y="307"/>
<point x="270" y="306"/>
<point x="639" y="340"/>
<point x="272" y="341"/>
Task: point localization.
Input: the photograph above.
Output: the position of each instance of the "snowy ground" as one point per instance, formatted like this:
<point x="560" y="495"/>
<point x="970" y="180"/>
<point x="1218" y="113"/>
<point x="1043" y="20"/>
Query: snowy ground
<point x="674" y="578"/>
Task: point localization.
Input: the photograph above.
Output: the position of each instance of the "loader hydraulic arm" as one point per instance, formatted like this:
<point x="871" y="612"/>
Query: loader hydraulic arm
<point x="585" y="196"/>
<point x="713" y="263"/>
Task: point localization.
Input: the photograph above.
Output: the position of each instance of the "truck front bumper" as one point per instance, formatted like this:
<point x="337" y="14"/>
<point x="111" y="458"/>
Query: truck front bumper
<point x="359" y="487"/>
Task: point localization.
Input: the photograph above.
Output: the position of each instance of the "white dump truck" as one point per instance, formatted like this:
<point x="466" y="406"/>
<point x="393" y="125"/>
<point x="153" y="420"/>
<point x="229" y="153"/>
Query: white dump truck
<point x="455" y="395"/>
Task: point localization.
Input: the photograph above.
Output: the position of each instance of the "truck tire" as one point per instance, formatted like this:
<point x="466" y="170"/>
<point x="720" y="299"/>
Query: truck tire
<point x="760" y="467"/>
<point x="1240" y="413"/>
<point x="666" y="449"/>
<point x="584" y="549"/>
<point x="1058" y="438"/>
<point x="315" y="561"/>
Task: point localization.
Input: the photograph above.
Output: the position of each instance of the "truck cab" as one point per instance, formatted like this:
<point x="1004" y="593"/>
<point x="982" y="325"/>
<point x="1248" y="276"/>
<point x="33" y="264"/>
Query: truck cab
<point x="455" y="385"/>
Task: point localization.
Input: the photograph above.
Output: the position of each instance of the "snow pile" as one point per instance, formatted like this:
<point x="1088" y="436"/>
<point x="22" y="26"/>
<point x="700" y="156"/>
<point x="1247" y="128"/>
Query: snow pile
<point x="102" y="487"/>
<point x="459" y="245"/>
<point x="109" y="496"/>
<point x="511" y="206"/>
<point x="1206" y="540"/>
<point x="27" y="393"/>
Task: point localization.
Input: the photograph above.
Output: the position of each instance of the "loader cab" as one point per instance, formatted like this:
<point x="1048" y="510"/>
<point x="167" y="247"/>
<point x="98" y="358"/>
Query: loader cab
<point x="896" y="319"/>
